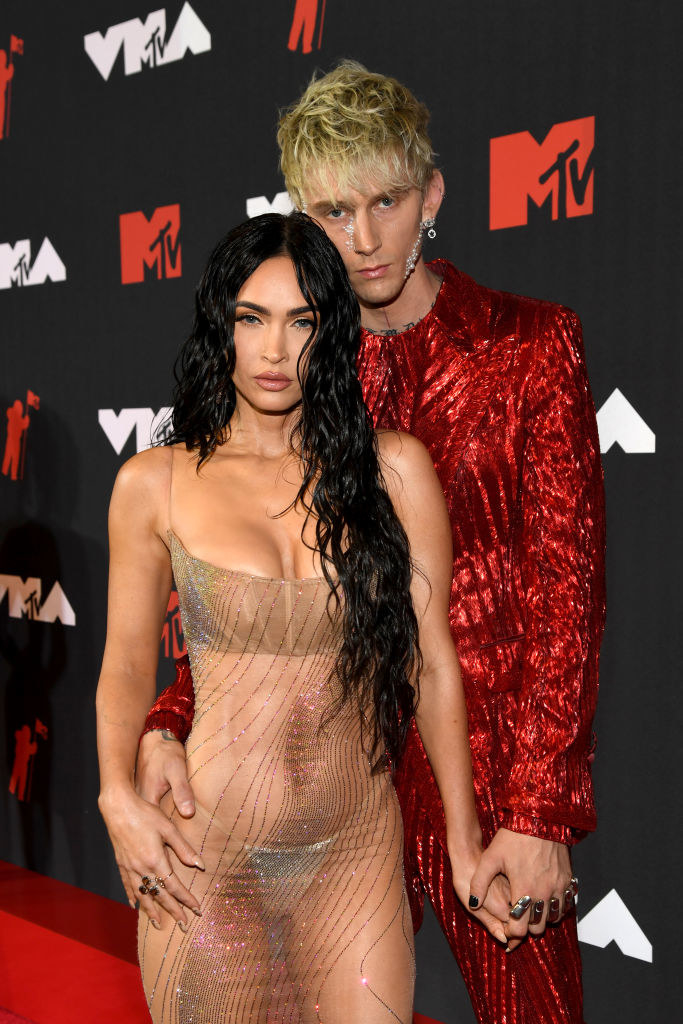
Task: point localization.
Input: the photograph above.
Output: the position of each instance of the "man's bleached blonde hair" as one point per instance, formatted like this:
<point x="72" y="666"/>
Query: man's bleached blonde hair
<point x="355" y="128"/>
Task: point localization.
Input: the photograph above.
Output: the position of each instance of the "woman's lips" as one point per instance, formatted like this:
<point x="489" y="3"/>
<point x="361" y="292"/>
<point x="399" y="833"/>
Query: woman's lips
<point x="273" y="381"/>
<point x="371" y="272"/>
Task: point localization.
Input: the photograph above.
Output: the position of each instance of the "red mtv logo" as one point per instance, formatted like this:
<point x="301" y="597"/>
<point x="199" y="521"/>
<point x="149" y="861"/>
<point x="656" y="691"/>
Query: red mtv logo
<point x="303" y="25"/>
<point x="560" y="167"/>
<point x="150" y="243"/>
<point x="172" y="639"/>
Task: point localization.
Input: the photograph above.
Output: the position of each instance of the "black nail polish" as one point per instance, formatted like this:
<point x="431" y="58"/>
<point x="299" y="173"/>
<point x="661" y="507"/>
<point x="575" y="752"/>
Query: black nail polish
<point x="474" y="902"/>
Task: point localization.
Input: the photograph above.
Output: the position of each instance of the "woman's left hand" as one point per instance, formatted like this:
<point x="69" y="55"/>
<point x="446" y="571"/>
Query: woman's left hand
<point x="493" y="911"/>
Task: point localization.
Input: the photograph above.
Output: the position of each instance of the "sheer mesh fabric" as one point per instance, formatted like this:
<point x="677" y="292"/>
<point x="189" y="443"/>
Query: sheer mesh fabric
<point x="304" y="910"/>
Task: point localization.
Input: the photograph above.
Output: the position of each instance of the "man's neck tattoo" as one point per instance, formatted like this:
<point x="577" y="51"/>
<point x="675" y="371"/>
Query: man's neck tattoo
<point x="389" y="332"/>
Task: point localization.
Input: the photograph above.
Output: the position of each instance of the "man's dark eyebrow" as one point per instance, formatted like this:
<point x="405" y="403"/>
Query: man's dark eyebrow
<point x="266" y="312"/>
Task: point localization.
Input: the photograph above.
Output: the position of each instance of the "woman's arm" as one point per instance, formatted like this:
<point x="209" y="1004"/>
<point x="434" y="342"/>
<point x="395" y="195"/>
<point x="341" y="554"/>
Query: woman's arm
<point x="139" y="588"/>
<point x="441" y="714"/>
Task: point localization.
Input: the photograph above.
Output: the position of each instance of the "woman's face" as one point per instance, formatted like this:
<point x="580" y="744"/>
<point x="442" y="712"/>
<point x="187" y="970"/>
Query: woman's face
<point x="273" y="322"/>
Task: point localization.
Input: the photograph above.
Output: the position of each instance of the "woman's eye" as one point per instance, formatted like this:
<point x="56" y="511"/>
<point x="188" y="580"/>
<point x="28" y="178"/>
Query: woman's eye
<point x="248" y="318"/>
<point x="303" y="324"/>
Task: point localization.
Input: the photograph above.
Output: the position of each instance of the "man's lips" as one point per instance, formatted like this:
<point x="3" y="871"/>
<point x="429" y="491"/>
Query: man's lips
<point x="273" y="381"/>
<point x="372" y="272"/>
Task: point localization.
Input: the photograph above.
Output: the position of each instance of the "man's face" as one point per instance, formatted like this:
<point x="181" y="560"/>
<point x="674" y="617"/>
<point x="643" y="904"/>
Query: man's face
<point x="374" y="231"/>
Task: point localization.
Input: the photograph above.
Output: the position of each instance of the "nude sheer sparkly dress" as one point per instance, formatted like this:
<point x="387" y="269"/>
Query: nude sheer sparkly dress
<point x="305" y="918"/>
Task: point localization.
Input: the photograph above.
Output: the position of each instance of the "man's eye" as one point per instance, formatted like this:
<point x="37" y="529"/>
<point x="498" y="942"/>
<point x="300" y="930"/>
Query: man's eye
<point x="387" y="201"/>
<point x="336" y="214"/>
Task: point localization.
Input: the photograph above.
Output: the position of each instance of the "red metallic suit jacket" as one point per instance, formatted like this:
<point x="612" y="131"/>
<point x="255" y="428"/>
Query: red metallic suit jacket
<point x="495" y="386"/>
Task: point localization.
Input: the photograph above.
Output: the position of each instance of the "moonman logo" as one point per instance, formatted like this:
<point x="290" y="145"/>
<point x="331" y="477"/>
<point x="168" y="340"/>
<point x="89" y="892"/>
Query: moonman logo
<point x="25" y="750"/>
<point x="610" y="920"/>
<point x="18" y="421"/>
<point x="261" y="204"/>
<point x="145" y="43"/>
<point x="152" y="243"/>
<point x="303" y="24"/>
<point x="172" y="639"/>
<point x="558" y="172"/>
<point x="16" y="46"/>
<point x="149" y="427"/>
<point x="16" y="267"/>
<point x="619" y="423"/>
<point x="24" y="598"/>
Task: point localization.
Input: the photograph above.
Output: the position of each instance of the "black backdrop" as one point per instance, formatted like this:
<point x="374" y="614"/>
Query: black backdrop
<point x="195" y="134"/>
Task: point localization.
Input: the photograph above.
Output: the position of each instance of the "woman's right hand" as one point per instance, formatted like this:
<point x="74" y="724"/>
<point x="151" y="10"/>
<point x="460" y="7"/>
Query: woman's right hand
<point x="141" y="835"/>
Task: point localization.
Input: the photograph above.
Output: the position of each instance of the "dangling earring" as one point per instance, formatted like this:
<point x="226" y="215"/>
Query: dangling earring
<point x="429" y="225"/>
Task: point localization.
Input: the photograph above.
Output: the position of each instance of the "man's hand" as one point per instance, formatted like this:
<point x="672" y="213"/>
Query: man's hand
<point x="540" y="877"/>
<point x="161" y="767"/>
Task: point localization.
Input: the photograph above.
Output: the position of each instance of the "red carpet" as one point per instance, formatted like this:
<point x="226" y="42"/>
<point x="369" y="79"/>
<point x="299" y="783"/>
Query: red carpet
<point x="65" y="954"/>
<point x="68" y="956"/>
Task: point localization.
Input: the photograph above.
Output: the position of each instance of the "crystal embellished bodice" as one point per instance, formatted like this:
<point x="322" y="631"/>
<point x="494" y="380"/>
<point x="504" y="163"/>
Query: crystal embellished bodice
<point x="304" y="909"/>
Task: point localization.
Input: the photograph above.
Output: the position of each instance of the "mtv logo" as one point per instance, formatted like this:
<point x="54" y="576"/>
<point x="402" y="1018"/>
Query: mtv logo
<point x="559" y="168"/>
<point x="149" y="426"/>
<point x="259" y="204"/>
<point x="145" y="43"/>
<point x="16" y="267"/>
<point x="24" y="598"/>
<point x="611" y="921"/>
<point x="618" y="422"/>
<point x="150" y="243"/>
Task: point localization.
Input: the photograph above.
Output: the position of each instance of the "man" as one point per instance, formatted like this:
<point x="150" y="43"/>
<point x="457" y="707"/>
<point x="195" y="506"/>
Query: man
<point x="495" y="386"/>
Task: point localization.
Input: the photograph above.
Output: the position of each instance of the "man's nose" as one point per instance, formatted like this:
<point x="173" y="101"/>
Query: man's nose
<point x="366" y="239"/>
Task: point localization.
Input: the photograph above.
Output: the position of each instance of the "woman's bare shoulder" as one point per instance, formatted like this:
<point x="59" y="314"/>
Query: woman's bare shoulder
<point x="403" y="453"/>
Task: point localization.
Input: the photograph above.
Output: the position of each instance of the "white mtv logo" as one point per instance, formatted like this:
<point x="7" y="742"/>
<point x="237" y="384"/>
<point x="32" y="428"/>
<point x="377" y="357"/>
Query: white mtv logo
<point x="610" y="920"/>
<point x="24" y="597"/>
<point x="618" y="422"/>
<point x="16" y="268"/>
<point x="146" y="43"/>
<point x="260" y="204"/>
<point x="148" y="426"/>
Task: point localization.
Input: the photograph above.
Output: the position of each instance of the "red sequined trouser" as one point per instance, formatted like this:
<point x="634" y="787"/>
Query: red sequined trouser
<point x="538" y="983"/>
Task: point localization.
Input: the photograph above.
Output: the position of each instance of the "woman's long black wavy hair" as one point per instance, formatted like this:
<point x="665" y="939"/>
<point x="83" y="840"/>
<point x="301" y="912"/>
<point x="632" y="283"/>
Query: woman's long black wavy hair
<point x="364" y="550"/>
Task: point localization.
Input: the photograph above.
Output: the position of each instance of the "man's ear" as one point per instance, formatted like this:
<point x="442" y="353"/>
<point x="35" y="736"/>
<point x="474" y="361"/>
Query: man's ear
<point x="434" y="194"/>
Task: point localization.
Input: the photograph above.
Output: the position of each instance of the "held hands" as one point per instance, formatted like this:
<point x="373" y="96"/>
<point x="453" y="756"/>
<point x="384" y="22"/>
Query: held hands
<point x="141" y="833"/>
<point x="537" y="889"/>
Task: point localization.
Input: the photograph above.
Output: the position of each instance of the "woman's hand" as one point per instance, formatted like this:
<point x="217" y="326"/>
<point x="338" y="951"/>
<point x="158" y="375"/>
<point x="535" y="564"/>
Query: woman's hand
<point x="140" y="834"/>
<point x="493" y="911"/>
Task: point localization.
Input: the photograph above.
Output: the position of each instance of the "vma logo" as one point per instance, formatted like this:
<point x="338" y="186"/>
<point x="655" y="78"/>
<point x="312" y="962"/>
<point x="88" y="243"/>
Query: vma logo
<point x="152" y="243"/>
<point x="145" y="43"/>
<point x="303" y="25"/>
<point x="610" y="920"/>
<point x="558" y="172"/>
<point x="18" y="421"/>
<point x="25" y="600"/>
<point x="150" y="427"/>
<point x="619" y="423"/>
<point x="260" y="204"/>
<point x="16" y="45"/>
<point x="16" y="267"/>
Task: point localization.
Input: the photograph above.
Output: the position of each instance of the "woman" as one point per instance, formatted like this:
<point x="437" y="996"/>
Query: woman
<point x="288" y="526"/>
